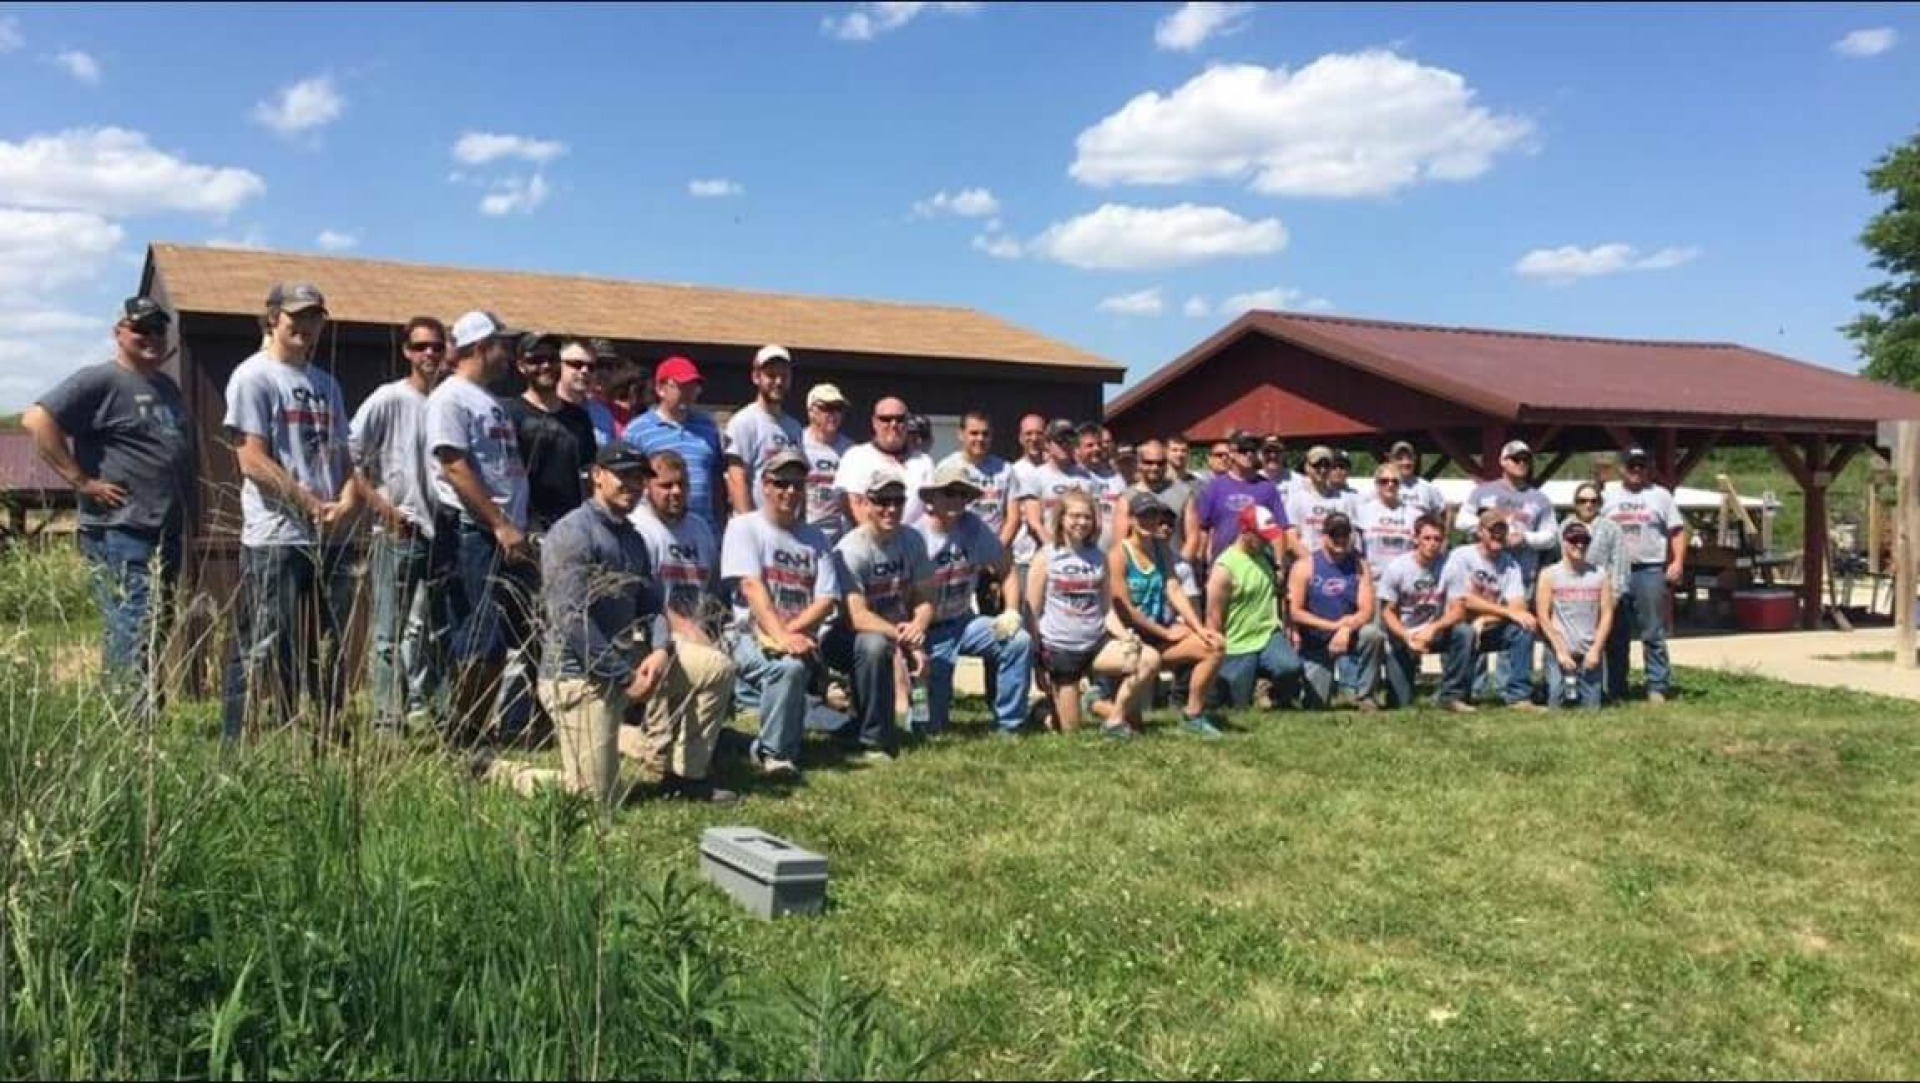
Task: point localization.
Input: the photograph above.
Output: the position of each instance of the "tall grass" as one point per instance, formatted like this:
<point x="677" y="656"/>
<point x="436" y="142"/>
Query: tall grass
<point x="173" y="910"/>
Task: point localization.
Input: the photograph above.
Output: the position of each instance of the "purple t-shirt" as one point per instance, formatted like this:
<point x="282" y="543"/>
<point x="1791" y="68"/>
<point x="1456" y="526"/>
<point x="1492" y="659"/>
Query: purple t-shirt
<point x="1225" y="496"/>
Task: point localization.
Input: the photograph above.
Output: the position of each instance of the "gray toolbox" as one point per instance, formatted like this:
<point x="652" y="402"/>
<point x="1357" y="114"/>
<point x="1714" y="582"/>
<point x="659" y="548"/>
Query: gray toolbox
<point x="767" y="875"/>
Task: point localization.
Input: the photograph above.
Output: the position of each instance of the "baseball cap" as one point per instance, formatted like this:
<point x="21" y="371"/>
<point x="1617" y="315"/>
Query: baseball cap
<point x="1273" y="441"/>
<point x="1255" y="519"/>
<point x="1336" y="523"/>
<point x="772" y="353"/>
<point x="603" y="349"/>
<point x="1125" y="451"/>
<point x="825" y="395"/>
<point x="680" y="371"/>
<point x="948" y="477"/>
<point x="1242" y="440"/>
<point x="1575" y="530"/>
<point x="477" y="327"/>
<point x="1059" y="429"/>
<point x="918" y="425"/>
<point x="1493" y="517"/>
<point x="621" y="457"/>
<point x="785" y="459"/>
<point x="1143" y="505"/>
<point x="1515" y="447"/>
<point x="885" y="478"/>
<point x="1319" y="453"/>
<point x="1341" y="458"/>
<point x="296" y="297"/>
<point x="1637" y="454"/>
<point x="145" y="312"/>
<point x="1401" y="447"/>
<point x="533" y="342"/>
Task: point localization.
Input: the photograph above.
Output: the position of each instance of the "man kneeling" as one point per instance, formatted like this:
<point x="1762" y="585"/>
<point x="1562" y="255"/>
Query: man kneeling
<point x="960" y="547"/>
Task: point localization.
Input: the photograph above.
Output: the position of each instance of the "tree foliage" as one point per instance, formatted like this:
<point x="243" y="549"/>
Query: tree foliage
<point x="1889" y="339"/>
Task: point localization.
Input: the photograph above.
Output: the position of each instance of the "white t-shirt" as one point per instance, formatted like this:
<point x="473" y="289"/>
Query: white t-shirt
<point x="883" y="572"/>
<point x="796" y="566"/>
<point x="958" y="557"/>
<point x="462" y="416"/>
<point x="388" y="438"/>
<point x="1423" y="495"/>
<point x="685" y="558"/>
<point x="1308" y="508"/>
<point x="1386" y="533"/>
<point x="297" y="410"/>
<point x="1647" y="520"/>
<point x="995" y="478"/>
<point x="859" y="463"/>
<point x="823" y="500"/>
<point x="1470" y="572"/>
<point x="1024" y="486"/>
<point x="1417" y="593"/>
<point x="753" y="436"/>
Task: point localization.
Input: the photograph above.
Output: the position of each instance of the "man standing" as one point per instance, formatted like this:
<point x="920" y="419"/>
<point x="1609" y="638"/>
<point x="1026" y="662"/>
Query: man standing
<point x="388" y="441"/>
<point x="963" y="552"/>
<point x="607" y="423"/>
<point x="134" y="467"/>
<point x="289" y="427"/>
<point x="1414" y="609"/>
<point x="823" y="445"/>
<point x="674" y="425"/>
<point x="1156" y="476"/>
<point x="782" y="574"/>
<point x="885" y="610"/>
<point x="761" y="430"/>
<point x="1529" y="514"/>
<point x="1091" y="451"/>
<point x="1318" y="496"/>
<point x="479" y="532"/>
<point x="684" y="718"/>
<point x="888" y="449"/>
<point x="1179" y="463"/>
<point x="1059" y="475"/>
<point x="1419" y="493"/>
<point x="986" y="472"/>
<point x="1216" y="516"/>
<point x="1484" y="578"/>
<point x="1025" y="486"/>
<point x="1273" y="465"/>
<point x="1330" y="601"/>
<point x="1656" y="541"/>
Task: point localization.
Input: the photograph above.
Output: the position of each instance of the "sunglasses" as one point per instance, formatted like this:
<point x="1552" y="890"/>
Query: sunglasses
<point x="1341" y="534"/>
<point x="1322" y="464"/>
<point x="1586" y="500"/>
<point x="540" y="360"/>
<point x="887" y="501"/>
<point x="1153" y="462"/>
<point x="149" y="329"/>
<point x="435" y="346"/>
<point x="1498" y="530"/>
<point x="1386" y="481"/>
<point x="580" y="366"/>
<point x="889" y="419"/>
<point x="787" y="484"/>
<point x="1576" y="541"/>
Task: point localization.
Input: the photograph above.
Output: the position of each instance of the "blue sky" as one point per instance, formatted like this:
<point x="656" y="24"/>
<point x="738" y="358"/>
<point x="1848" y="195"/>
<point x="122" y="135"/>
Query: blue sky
<point x="1120" y="177"/>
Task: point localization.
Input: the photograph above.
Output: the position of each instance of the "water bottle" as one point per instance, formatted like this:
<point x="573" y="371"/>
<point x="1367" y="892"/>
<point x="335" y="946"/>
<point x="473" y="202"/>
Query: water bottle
<point x="918" y="716"/>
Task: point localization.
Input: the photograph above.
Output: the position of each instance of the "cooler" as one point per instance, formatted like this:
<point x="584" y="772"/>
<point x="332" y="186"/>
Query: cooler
<point x="1766" y="609"/>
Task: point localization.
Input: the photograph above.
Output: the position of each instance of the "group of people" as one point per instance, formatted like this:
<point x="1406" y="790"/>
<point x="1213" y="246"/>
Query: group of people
<point x="573" y="562"/>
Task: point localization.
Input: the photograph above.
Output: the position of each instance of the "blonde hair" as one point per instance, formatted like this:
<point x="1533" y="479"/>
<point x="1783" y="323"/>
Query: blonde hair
<point x="1068" y="499"/>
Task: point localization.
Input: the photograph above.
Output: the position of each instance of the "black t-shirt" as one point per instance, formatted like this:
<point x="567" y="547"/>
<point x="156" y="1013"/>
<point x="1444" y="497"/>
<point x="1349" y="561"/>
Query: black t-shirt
<point x="558" y="448"/>
<point x="131" y="430"/>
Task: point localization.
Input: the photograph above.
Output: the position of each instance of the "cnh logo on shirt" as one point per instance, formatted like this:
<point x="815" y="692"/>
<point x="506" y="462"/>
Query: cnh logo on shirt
<point x="785" y="559"/>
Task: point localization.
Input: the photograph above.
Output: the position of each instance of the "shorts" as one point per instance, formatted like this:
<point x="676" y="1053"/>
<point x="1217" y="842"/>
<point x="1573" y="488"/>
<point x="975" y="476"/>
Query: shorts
<point x="1068" y="667"/>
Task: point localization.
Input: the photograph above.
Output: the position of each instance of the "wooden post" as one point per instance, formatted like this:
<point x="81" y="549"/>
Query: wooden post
<point x="1906" y="544"/>
<point x="1874" y="526"/>
<point x="1813" y="545"/>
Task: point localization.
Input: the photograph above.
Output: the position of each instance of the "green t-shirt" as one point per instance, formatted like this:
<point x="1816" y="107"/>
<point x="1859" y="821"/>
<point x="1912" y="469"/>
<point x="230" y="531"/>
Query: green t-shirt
<point x="1253" y="613"/>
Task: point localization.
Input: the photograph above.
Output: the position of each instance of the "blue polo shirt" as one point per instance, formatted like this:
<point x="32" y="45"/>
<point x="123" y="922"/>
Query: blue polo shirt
<point x="698" y="442"/>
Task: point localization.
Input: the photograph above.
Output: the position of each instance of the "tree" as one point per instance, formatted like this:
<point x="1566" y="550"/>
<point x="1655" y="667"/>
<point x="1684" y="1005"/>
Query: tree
<point x="1889" y="339"/>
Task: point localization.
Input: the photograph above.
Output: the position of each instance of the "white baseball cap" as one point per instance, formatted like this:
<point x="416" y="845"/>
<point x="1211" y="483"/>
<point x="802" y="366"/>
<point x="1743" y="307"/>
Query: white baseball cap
<point x="1515" y="447"/>
<point x="825" y="395"/>
<point x="476" y="327"/>
<point x="772" y="353"/>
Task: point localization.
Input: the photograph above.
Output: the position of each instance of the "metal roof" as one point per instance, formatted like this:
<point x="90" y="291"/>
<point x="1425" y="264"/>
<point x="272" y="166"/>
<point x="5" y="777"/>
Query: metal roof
<point x="21" y="468"/>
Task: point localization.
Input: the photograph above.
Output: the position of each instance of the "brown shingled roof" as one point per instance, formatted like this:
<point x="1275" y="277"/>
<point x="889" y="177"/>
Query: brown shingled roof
<point x="22" y="469"/>
<point x="229" y="281"/>
<point x="1523" y="376"/>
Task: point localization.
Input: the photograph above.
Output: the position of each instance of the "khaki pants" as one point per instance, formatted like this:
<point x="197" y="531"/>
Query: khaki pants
<point x="684" y="714"/>
<point x="587" y="722"/>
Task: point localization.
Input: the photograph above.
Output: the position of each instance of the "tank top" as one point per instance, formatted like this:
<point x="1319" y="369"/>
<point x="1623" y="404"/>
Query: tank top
<point x="1074" y="613"/>
<point x="1576" y="605"/>
<point x="1332" y="593"/>
<point x="1148" y="589"/>
<point x="1253" y="612"/>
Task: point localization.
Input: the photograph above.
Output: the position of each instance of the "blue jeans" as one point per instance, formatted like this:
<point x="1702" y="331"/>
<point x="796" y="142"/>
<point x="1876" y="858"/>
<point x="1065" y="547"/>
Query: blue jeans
<point x="1463" y="651"/>
<point x="1012" y="659"/>
<point x="1276" y="662"/>
<point x="407" y="640"/>
<point x="1641" y="615"/>
<point x="1582" y="690"/>
<point x="780" y="689"/>
<point x="1401" y="667"/>
<point x="868" y="659"/>
<point x="1354" y="670"/>
<point x="123" y="563"/>
<point x="290" y="625"/>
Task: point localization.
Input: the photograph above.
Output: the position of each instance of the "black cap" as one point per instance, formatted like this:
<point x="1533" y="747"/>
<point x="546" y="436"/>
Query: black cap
<point x="1637" y="454"/>
<point x="1143" y="504"/>
<point x="296" y="297"/>
<point x="1575" y="530"/>
<point x="1242" y="440"/>
<point x="145" y="312"/>
<point x="1059" y="430"/>
<point x="622" y="457"/>
<point x="1340" y="458"/>
<point x="602" y="349"/>
<point x="1336" y="523"/>
<point x="533" y="342"/>
<point x="918" y="425"/>
<point x="1273" y="441"/>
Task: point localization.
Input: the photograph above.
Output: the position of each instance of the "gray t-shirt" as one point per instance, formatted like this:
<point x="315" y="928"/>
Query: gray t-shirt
<point x="298" y="411"/>
<point x="131" y="430"/>
<point x="884" y="571"/>
<point x="958" y="557"/>
<point x="1647" y="520"/>
<point x="823" y="500"/>
<point x="685" y="559"/>
<point x="753" y="436"/>
<point x="388" y="440"/>
<point x="1073" y="615"/>
<point x="1387" y="533"/>
<point x="796" y="566"/>
<point x="1424" y="496"/>
<point x="1469" y="572"/>
<point x="1111" y="490"/>
<point x="1053" y="484"/>
<point x="1308" y="508"/>
<point x="1576" y="604"/>
<point x="461" y="416"/>
<point x="1531" y="523"/>
<point x="1416" y="592"/>
<point x="1025" y="485"/>
<point x="1176" y="496"/>
<point x="995" y="478"/>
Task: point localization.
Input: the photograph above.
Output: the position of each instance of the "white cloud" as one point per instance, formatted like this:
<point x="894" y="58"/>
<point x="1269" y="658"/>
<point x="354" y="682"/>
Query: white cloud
<point x="1870" y="42"/>
<point x="966" y="203"/>
<point x="1569" y="263"/>
<point x="41" y="344"/>
<point x="305" y="106"/>
<point x="718" y="188"/>
<point x="1196" y="307"/>
<point x="1189" y="27"/>
<point x="10" y="36"/>
<point x="1273" y="299"/>
<point x="479" y="148"/>
<point x="44" y="250"/>
<point x="253" y="240"/>
<point x="111" y="171"/>
<point x="79" y="65"/>
<point x="334" y="240"/>
<point x="515" y="195"/>
<point x="1144" y="303"/>
<point x="868" y="21"/>
<point x="1346" y="125"/>
<point x="999" y="246"/>
<point x="1122" y="238"/>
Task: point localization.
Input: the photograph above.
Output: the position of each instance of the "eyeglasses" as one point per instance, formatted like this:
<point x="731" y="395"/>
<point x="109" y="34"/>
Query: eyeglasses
<point x="1586" y="500"/>
<point x="1386" y="481"/>
<point x="427" y="347"/>
<point x="787" y="484"/>
<point x="889" y="419"/>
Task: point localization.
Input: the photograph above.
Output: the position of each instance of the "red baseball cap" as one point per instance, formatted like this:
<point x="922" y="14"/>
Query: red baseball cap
<point x="1255" y="519"/>
<point x="679" y="370"/>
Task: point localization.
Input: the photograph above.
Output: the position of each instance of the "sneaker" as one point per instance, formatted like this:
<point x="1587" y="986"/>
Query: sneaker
<point x="1120" y="732"/>
<point x="1458" y="706"/>
<point x="1655" y="699"/>
<point x="878" y="756"/>
<point x="1199" y="726"/>
<point x="773" y="766"/>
